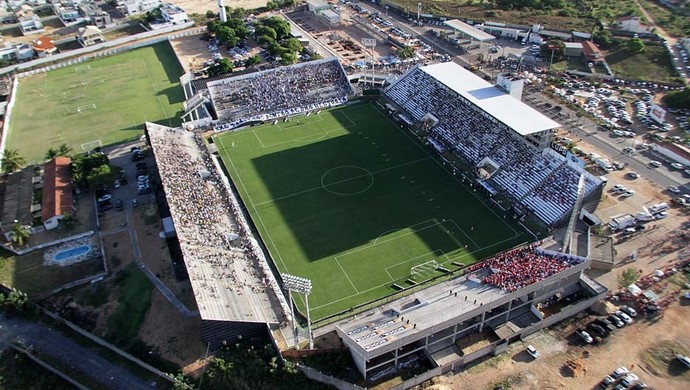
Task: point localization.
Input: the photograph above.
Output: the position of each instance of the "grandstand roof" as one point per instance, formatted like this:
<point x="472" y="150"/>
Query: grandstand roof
<point x="466" y="29"/>
<point x="515" y="114"/>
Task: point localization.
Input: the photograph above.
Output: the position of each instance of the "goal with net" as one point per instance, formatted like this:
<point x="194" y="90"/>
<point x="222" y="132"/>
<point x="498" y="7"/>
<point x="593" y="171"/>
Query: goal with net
<point x="424" y="271"/>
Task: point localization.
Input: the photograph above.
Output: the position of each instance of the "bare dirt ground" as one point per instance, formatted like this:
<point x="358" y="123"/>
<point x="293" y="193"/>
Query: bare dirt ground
<point x="201" y="6"/>
<point x="626" y="347"/>
<point x="192" y="52"/>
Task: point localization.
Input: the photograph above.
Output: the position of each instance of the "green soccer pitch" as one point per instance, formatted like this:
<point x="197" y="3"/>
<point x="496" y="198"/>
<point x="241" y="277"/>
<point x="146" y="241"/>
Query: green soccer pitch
<point x="106" y="100"/>
<point x="352" y="202"/>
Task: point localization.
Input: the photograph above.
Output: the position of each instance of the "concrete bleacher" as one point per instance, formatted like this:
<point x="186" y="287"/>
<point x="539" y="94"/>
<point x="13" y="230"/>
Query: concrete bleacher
<point x="542" y="181"/>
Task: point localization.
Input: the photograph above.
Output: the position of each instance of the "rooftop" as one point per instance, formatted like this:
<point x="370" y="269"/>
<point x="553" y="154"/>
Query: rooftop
<point x="44" y="43"/>
<point x="515" y="114"/>
<point x="57" y="188"/>
<point x="16" y="193"/>
<point x="469" y="30"/>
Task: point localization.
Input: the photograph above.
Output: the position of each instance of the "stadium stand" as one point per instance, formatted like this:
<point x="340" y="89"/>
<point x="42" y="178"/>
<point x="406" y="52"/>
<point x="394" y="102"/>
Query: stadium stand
<point x="278" y="92"/>
<point x="229" y="273"/>
<point x="540" y="180"/>
<point x="522" y="267"/>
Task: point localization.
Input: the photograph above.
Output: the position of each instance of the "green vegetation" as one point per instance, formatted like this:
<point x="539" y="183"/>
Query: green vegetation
<point x="673" y="22"/>
<point x="352" y="202"/>
<point x="628" y="277"/>
<point x="635" y="45"/>
<point x="652" y="64"/>
<point x="18" y="372"/>
<point x="20" y="234"/>
<point x="254" y="365"/>
<point x="553" y="49"/>
<point x="12" y="161"/>
<point x="661" y="361"/>
<point x="678" y="99"/>
<point x="133" y="297"/>
<point x="273" y="33"/>
<point x="28" y="274"/>
<point x="126" y="90"/>
<point x="62" y="150"/>
<point x="405" y="52"/>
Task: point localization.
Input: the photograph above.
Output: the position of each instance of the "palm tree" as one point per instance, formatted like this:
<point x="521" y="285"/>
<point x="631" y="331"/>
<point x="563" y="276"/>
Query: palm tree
<point x="20" y="234"/>
<point x="50" y="154"/>
<point x="64" y="150"/>
<point x="12" y="161"/>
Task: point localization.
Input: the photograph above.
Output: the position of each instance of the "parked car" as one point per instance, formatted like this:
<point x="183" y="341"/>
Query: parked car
<point x="684" y="359"/>
<point x="626" y="318"/>
<point x="674" y="189"/>
<point x="632" y="175"/>
<point x="616" y="321"/>
<point x="655" y="164"/>
<point x="532" y="351"/>
<point x="619" y="372"/>
<point x="678" y="165"/>
<point x="597" y="330"/>
<point x="607" y="381"/>
<point x="629" y="380"/>
<point x="118" y="205"/>
<point x="629" y="311"/>
<point x="585" y="336"/>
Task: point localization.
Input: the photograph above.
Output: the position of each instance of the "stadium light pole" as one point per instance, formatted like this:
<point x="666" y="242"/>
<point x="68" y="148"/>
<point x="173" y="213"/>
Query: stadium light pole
<point x="302" y="286"/>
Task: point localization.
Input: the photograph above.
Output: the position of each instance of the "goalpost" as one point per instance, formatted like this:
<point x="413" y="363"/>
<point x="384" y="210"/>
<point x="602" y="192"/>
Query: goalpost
<point x="82" y="68"/>
<point x="89" y="146"/>
<point x="91" y="106"/>
<point x="424" y="271"/>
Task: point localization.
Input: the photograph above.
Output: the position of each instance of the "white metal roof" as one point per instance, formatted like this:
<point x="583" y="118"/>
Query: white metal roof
<point x="515" y="114"/>
<point x="469" y="30"/>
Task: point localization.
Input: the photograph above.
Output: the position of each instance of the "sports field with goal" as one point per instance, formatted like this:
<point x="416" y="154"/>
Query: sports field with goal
<point x="354" y="203"/>
<point x="106" y="100"/>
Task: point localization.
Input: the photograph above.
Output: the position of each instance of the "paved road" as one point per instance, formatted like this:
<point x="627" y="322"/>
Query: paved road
<point x="47" y="342"/>
<point x="612" y="147"/>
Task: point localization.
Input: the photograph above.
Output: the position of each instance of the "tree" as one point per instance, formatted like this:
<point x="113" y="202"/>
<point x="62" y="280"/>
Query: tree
<point x="213" y="26"/>
<point x="405" y="52"/>
<point x="12" y="161"/>
<point x="101" y="176"/>
<point x="266" y="31"/>
<point x="628" y="277"/>
<point x="280" y="26"/>
<point x="602" y="38"/>
<point x="678" y="99"/>
<point x="222" y="66"/>
<point x="238" y="26"/>
<point x="152" y="15"/>
<point x="20" y="234"/>
<point x="227" y="36"/>
<point x="555" y="48"/>
<point x="288" y="57"/>
<point x="62" y="150"/>
<point x="293" y="44"/>
<point x="82" y="165"/>
<point x="15" y="300"/>
<point x="635" y="45"/>
<point x="251" y="61"/>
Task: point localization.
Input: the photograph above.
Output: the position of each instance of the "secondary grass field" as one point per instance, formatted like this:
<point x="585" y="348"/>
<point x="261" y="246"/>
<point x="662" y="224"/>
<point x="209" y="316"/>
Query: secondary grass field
<point x="350" y="201"/>
<point x="107" y="99"/>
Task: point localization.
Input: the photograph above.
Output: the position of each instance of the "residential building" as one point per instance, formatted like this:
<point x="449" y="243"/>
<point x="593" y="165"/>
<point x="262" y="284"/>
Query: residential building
<point x="57" y="192"/>
<point x="685" y="43"/>
<point x="16" y="52"/>
<point x="173" y="14"/>
<point x="134" y="7"/>
<point x="29" y="22"/>
<point x="591" y="52"/>
<point x="17" y="193"/>
<point x="68" y="14"/>
<point x="633" y="24"/>
<point x="90" y="35"/>
<point x="44" y="46"/>
<point x="6" y="15"/>
<point x="95" y="16"/>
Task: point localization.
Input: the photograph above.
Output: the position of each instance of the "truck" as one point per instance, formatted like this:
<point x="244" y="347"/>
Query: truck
<point x="622" y="221"/>
<point x="603" y="164"/>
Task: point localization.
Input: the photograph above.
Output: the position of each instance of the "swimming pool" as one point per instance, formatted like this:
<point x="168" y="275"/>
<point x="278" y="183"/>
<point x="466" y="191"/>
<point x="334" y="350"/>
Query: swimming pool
<point x="70" y="253"/>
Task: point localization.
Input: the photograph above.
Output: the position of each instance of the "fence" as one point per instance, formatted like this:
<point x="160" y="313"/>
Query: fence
<point x="329" y="380"/>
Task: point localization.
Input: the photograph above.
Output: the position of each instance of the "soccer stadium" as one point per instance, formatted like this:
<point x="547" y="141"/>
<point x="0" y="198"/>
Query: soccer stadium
<point x="416" y="227"/>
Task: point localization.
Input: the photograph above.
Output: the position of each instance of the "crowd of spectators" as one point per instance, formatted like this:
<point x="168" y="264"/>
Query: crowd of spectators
<point x="473" y="136"/>
<point x="522" y="267"/>
<point x="222" y="259"/>
<point x="279" y="92"/>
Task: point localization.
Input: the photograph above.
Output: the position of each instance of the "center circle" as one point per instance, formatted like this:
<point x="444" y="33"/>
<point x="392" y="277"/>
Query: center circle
<point x="347" y="180"/>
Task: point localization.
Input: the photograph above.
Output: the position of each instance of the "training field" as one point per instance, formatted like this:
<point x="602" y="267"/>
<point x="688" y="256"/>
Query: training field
<point x="347" y="199"/>
<point x="107" y="99"/>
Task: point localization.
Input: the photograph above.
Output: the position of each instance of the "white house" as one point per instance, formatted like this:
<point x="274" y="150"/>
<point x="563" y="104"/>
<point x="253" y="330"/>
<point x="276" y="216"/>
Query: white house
<point x="29" y="22"/>
<point x="16" y="52"/>
<point x="173" y="14"/>
<point x="633" y="24"/>
<point x="68" y="14"/>
<point x="133" y="7"/>
<point x="90" y="35"/>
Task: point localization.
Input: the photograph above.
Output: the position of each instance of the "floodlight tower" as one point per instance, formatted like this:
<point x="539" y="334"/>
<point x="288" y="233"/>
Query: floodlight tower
<point x="221" y="12"/>
<point x="303" y="286"/>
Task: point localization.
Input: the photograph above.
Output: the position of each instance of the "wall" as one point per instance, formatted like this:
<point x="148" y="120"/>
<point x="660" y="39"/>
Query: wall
<point x="329" y="380"/>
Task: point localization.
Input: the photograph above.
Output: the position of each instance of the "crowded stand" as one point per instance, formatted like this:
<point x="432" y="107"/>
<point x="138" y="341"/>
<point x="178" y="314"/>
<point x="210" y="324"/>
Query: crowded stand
<point x="539" y="179"/>
<point x="228" y="271"/>
<point x="522" y="267"/>
<point x="279" y="92"/>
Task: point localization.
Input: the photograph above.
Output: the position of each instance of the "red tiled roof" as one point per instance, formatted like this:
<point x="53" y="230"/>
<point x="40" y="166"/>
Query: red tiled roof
<point x="57" y="189"/>
<point x="44" y="43"/>
<point x="591" y="51"/>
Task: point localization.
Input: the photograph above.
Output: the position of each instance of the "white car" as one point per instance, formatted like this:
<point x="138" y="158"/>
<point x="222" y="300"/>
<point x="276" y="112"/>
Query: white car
<point x="660" y="215"/>
<point x="626" y="318"/>
<point x="678" y="165"/>
<point x="620" y="371"/>
<point x="629" y="380"/>
<point x="655" y="164"/>
<point x="628" y="193"/>
<point x="674" y="189"/>
<point x="683" y="359"/>
<point x="629" y="310"/>
<point x="532" y="351"/>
